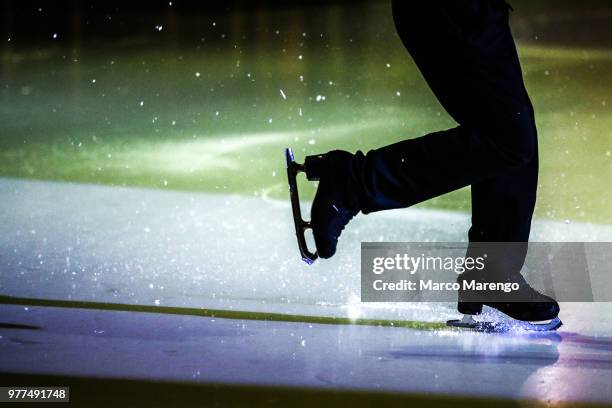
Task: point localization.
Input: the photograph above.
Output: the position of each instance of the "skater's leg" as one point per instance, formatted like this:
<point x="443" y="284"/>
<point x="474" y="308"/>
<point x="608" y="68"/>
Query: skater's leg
<point x="503" y="201"/>
<point x="502" y="210"/>
<point x="466" y="53"/>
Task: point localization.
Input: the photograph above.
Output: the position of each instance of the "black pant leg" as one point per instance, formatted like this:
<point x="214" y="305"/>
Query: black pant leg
<point x="502" y="206"/>
<point x="502" y="209"/>
<point x="465" y="51"/>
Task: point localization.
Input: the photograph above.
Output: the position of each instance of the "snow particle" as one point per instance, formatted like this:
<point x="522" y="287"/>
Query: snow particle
<point x="283" y="94"/>
<point x="54" y="36"/>
<point x="141" y="103"/>
<point x="197" y="74"/>
<point x="159" y="27"/>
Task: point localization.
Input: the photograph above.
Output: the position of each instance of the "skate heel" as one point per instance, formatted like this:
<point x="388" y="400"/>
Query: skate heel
<point x="469" y="308"/>
<point x="314" y="167"/>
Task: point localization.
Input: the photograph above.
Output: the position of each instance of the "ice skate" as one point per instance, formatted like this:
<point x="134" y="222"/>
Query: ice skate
<point x="331" y="209"/>
<point x="527" y="309"/>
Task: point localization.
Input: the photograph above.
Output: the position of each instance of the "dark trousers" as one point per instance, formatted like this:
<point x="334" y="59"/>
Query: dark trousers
<point x="466" y="53"/>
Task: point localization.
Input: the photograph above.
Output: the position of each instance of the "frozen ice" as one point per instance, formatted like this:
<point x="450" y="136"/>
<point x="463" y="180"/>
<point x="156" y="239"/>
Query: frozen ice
<point x="207" y="250"/>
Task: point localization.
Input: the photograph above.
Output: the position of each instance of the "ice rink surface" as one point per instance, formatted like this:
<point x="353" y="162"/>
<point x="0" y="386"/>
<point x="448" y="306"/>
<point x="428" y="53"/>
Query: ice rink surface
<point x="149" y="247"/>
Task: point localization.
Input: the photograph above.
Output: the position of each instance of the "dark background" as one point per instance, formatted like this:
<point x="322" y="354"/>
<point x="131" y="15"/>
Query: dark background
<point x="95" y="21"/>
<point x="34" y="21"/>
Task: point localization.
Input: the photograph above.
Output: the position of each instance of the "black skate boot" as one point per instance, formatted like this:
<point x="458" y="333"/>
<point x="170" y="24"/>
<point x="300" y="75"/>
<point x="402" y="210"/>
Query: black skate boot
<point x="334" y="204"/>
<point x="530" y="309"/>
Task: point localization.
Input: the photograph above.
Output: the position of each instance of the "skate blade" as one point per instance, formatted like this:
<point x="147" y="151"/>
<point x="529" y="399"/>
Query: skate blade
<point x="504" y="326"/>
<point x="301" y="226"/>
